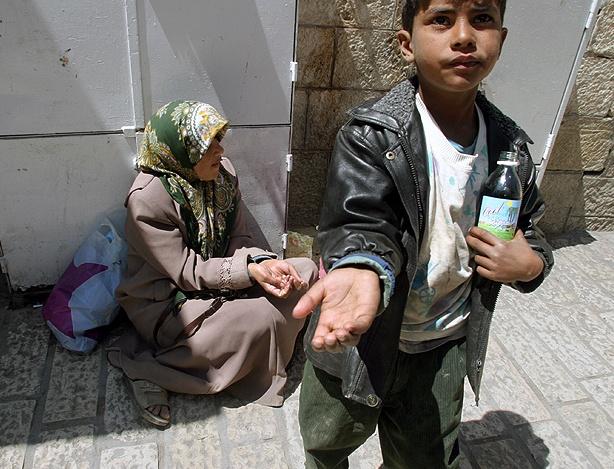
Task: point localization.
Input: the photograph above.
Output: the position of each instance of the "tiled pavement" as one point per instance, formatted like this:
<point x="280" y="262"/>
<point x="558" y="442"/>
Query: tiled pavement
<point x="548" y="398"/>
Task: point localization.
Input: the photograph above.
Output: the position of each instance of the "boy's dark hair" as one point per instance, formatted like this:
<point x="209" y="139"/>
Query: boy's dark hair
<point x="412" y="6"/>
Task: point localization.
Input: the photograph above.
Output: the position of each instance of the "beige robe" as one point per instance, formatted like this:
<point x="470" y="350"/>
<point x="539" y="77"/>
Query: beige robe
<point x="243" y="347"/>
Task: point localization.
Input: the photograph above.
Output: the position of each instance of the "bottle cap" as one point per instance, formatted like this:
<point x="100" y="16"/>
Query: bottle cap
<point x="508" y="158"/>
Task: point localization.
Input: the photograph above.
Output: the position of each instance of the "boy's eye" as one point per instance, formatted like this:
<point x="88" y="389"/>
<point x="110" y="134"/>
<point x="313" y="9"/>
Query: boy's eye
<point x="441" y="20"/>
<point x="484" y="18"/>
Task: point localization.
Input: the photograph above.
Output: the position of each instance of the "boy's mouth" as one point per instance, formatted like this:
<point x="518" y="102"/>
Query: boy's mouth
<point x="465" y="61"/>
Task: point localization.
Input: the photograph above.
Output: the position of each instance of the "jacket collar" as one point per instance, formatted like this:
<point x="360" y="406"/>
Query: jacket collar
<point x="395" y="110"/>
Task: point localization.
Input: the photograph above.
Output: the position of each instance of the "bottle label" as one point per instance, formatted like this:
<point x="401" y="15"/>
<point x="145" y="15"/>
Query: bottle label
<point x="499" y="216"/>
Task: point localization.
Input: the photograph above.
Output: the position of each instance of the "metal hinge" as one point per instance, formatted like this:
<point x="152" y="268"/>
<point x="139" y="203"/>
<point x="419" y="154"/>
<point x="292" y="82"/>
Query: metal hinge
<point x="284" y="240"/>
<point x="289" y="162"/>
<point x="129" y="131"/>
<point x="294" y="71"/>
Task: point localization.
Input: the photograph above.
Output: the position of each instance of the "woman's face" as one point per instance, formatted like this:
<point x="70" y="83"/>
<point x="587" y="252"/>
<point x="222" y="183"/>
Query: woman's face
<point x="208" y="167"/>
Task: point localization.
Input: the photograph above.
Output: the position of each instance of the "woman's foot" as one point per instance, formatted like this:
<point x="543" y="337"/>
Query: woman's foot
<point x="152" y="401"/>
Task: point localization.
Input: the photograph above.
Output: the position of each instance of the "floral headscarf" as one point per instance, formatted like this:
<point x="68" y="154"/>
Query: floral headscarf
<point x="175" y="139"/>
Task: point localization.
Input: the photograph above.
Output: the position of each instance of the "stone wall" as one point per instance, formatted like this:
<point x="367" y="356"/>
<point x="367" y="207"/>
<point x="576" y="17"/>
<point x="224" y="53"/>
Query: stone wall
<point x="347" y="53"/>
<point x="579" y="183"/>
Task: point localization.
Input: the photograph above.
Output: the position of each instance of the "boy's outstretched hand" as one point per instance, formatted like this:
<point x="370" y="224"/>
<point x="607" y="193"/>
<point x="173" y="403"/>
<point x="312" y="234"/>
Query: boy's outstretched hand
<point x="350" y="299"/>
<point x="504" y="261"/>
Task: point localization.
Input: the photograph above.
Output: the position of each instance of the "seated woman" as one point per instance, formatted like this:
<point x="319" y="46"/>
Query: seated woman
<point x="211" y="311"/>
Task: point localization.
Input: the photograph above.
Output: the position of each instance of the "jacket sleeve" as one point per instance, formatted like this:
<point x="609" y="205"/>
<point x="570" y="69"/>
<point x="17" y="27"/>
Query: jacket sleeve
<point x="152" y="229"/>
<point x="359" y="224"/>
<point x="531" y="211"/>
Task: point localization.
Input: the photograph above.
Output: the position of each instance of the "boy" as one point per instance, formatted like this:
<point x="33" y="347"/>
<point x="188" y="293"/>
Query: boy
<point x="412" y="284"/>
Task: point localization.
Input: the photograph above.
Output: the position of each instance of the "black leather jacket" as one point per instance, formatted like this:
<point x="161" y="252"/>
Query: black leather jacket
<point x="375" y="207"/>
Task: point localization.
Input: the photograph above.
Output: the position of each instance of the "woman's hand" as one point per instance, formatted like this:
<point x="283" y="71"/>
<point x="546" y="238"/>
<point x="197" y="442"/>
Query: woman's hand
<point x="504" y="261"/>
<point x="276" y="277"/>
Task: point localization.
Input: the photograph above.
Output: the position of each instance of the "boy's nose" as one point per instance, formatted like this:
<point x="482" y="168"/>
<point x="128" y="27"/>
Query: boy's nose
<point x="463" y="37"/>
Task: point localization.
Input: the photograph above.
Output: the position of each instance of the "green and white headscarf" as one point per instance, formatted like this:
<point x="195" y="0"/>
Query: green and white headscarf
<point x="175" y="139"/>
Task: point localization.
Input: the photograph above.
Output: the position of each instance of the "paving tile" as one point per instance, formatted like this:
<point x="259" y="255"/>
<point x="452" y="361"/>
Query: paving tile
<point x="602" y="391"/>
<point x="22" y="363"/>
<point x="66" y="448"/>
<point x="73" y="386"/>
<point x="481" y="421"/>
<point x="250" y="423"/>
<point x="268" y="455"/>
<point x="15" y="422"/>
<point x="131" y="457"/>
<point x="535" y="358"/>
<point x="551" y="447"/>
<point x="193" y="439"/>
<point x="294" y="442"/>
<point x="578" y="358"/>
<point x="368" y="456"/>
<point x="508" y="389"/>
<point x="593" y="429"/>
<point x="503" y="454"/>
<point x="121" y="418"/>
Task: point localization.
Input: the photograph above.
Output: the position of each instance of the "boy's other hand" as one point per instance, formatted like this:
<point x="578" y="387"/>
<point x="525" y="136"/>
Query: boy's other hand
<point x="350" y="299"/>
<point x="504" y="261"/>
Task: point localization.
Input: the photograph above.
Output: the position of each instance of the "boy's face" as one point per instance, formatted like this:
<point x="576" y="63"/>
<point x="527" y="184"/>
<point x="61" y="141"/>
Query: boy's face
<point x="454" y="43"/>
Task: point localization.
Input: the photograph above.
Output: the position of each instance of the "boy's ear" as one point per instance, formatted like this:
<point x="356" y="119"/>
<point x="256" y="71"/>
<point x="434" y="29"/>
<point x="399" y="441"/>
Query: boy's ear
<point x="503" y="36"/>
<point x="405" y="45"/>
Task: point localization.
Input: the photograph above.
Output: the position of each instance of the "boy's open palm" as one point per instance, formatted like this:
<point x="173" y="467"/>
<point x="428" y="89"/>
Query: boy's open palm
<point x="504" y="261"/>
<point x="350" y="300"/>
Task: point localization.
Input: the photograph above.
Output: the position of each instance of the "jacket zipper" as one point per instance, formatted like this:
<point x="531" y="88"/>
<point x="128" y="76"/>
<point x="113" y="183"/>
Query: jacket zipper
<point x="414" y="175"/>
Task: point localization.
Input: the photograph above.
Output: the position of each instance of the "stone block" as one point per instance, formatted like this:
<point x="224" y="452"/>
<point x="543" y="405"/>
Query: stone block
<point x="535" y="359"/>
<point x="503" y="453"/>
<point x="593" y="430"/>
<point x="69" y="447"/>
<point x="315" y="51"/>
<point x="23" y="358"/>
<point x="193" y="439"/>
<point x="602" y="43"/>
<point x="369" y="455"/>
<point x="500" y="376"/>
<point x="293" y="443"/>
<point x="598" y="200"/>
<point x="480" y="421"/>
<point x="582" y="143"/>
<point x="560" y="190"/>
<point x="122" y="421"/>
<point x="602" y="391"/>
<point x="73" y="387"/>
<point x="15" y="422"/>
<point x="128" y="457"/>
<point x="551" y="447"/>
<point x="299" y="119"/>
<point x="268" y="454"/>
<point x="327" y="112"/>
<point x="307" y="184"/>
<point x="370" y="14"/>
<point x="367" y="59"/>
<point x="299" y="245"/>
<point x="595" y="87"/>
<point x="250" y="423"/>
<point x="555" y="220"/>
<point x="609" y="166"/>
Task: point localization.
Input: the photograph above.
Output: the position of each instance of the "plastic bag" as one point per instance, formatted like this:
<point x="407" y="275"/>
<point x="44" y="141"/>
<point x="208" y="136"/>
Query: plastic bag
<point x="83" y="300"/>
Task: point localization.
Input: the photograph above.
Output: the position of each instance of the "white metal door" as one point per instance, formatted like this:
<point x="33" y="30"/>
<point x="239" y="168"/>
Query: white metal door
<point x="79" y="79"/>
<point x="538" y="66"/>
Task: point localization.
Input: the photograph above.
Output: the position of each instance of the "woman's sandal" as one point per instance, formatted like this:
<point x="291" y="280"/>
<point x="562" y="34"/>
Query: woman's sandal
<point x="147" y="394"/>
